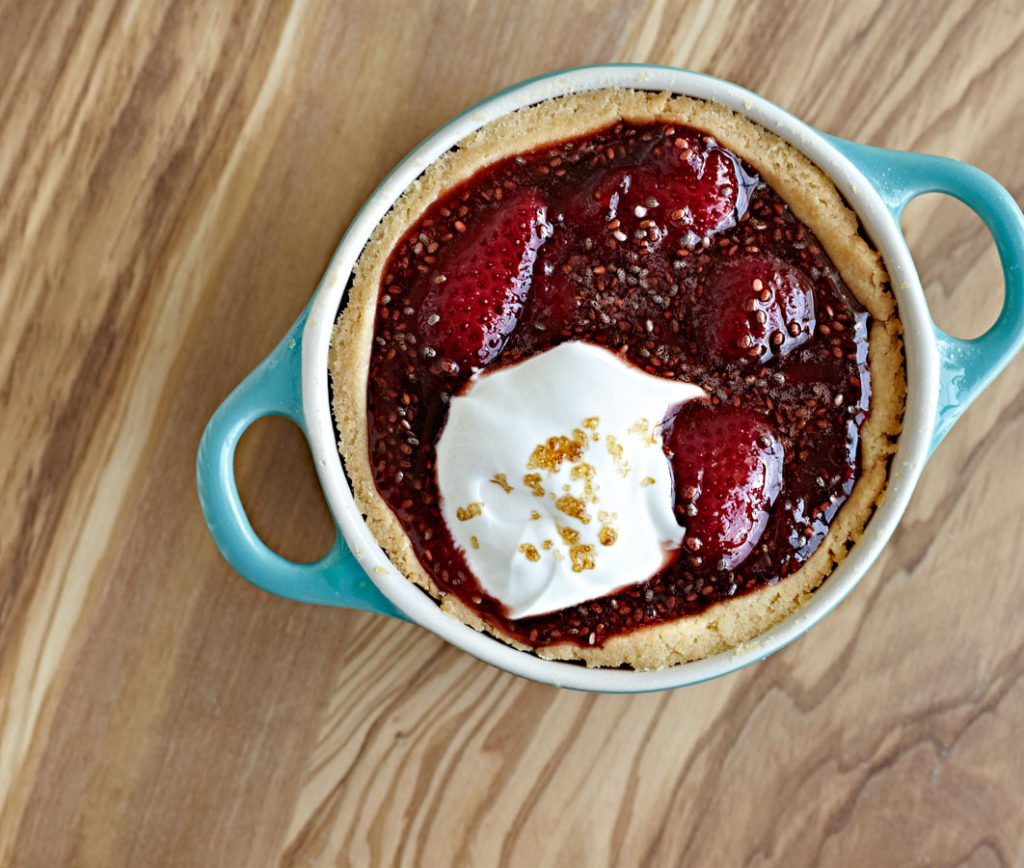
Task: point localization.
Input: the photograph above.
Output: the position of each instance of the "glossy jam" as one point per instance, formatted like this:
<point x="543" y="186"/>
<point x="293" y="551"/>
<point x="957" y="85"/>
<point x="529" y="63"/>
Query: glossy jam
<point x="639" y="290"/>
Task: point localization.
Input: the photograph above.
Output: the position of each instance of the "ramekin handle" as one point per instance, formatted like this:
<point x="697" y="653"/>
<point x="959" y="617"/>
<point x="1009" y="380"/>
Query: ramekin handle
<point x="274" y="388"/>
<point x="967" y="366"/>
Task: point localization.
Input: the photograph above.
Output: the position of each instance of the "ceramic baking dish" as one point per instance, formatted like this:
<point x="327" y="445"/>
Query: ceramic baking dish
<point x="944" y="376"/>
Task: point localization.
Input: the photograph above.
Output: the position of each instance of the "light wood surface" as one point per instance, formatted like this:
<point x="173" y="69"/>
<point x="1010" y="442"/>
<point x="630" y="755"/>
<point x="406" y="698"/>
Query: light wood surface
<point x="173" y="179"/>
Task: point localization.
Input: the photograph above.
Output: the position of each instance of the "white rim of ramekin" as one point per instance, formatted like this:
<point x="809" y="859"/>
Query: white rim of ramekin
<point x="912" y="452"/>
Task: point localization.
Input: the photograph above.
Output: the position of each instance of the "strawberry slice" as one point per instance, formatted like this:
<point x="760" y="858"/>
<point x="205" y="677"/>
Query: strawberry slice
<point x="680" y="192"/>
<point x="755" y="307"/>
<point x="476" y="294"/>
<point x="727" y="467"/>
<point x="703" y="193"/>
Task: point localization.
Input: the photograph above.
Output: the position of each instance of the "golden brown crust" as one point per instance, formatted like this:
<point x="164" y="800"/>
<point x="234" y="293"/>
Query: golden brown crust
<point x="813" y="199"/>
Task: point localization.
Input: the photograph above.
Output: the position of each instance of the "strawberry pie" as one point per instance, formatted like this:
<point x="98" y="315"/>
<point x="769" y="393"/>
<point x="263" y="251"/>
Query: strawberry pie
<point x="618" y="379"/>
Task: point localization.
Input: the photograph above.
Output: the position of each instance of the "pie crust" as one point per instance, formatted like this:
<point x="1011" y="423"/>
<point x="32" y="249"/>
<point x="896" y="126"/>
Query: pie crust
<point x="813" y="199"/>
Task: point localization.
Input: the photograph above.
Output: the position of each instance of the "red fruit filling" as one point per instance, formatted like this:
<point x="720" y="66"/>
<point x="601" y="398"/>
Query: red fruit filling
<point x="754" y="307"/>
<point x="727" y="471"/>
<point x="685" y="190"/>
<point x="657" y="243"/>
<point x="468" y="305"/>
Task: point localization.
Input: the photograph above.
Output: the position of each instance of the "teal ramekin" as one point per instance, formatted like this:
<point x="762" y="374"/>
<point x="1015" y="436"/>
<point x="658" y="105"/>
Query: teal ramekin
<point x="944" y="375"/>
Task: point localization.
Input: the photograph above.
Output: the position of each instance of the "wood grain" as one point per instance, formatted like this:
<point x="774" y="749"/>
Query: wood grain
<point x="173" y="179"/>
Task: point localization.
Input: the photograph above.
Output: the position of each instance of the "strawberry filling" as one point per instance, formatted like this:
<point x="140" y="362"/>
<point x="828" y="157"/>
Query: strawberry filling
<point x="469" y="304"/>
<point x="754" y="307"/>
<point x="727" y="470"/>
<point x="659" y="244"/>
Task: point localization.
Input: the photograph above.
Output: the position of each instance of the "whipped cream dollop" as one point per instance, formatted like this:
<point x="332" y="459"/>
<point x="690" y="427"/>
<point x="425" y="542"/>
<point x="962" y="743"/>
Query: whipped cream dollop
<point x="553" y="480"/>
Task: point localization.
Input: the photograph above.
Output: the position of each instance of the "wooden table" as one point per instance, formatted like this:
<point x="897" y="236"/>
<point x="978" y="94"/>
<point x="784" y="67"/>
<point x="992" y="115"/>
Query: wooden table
<point x="173" y="179"/>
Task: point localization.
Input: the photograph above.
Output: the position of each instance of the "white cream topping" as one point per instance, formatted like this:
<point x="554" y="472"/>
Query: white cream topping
<point x="553" y="480"/>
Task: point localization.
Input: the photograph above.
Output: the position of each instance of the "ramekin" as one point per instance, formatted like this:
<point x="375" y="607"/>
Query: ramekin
<point x="944" y="375"/>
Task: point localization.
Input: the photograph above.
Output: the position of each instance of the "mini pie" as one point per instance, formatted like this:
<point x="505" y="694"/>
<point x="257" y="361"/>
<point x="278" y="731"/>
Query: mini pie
<point x="692" y="244"/>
